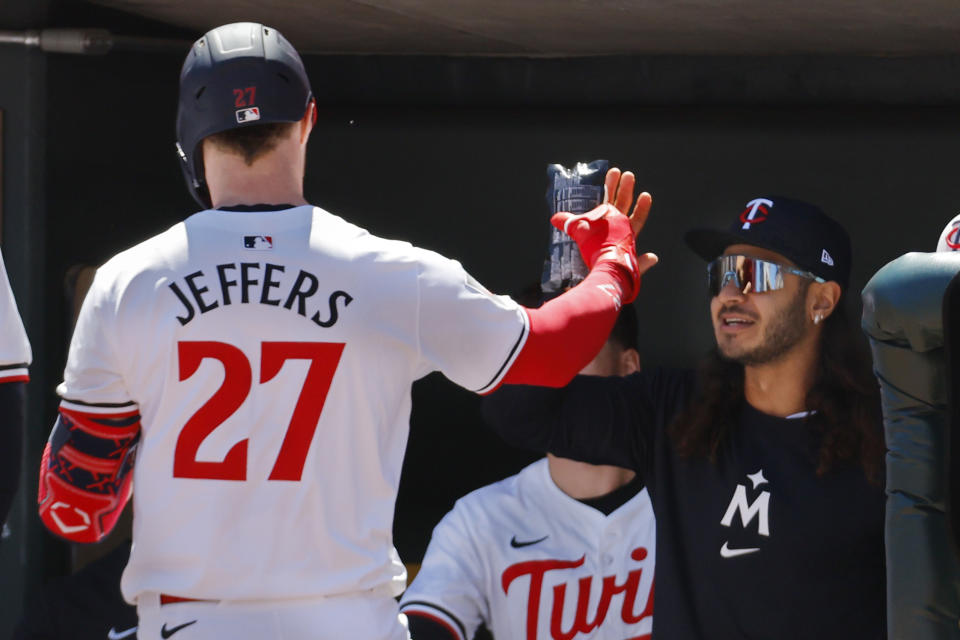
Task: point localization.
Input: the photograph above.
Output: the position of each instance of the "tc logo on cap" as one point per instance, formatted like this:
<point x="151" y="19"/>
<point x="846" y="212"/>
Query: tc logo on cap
<point x="756" y="212"/>
<point x="952" y="237"/>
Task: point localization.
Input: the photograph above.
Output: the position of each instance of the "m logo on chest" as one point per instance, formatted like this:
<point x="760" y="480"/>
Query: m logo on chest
<point x="740" y="505"/>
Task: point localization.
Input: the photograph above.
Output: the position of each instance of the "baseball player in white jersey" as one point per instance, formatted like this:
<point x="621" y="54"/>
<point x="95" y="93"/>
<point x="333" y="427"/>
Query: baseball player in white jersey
<point x="561" y="551"/>
<point x="14" y="359"/>
<point x="246" y="374"/>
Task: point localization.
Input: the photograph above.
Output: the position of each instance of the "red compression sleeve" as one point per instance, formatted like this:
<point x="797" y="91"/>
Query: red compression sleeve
<point x="85" y="473"/>
<point x="567" y="332"/>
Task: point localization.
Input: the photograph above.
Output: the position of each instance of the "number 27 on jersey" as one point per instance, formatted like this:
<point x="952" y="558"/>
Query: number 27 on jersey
<point x="237" y="384"/>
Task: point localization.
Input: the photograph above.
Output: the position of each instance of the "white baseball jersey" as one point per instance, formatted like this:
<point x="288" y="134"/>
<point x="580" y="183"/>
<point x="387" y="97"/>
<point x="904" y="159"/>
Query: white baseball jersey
<point x="532" y="563"/>
<point x="15" y="352"/>
<point x="270" y="356"/>
<point x="950" y="236"/>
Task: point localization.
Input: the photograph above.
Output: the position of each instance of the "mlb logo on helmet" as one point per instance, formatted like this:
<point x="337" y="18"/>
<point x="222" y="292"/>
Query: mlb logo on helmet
<point x="756" y="212"/>
<point x="248" y="115"/>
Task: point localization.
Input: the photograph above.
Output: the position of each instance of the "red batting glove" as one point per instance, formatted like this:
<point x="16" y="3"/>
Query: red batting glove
<point x="604" y="235"/>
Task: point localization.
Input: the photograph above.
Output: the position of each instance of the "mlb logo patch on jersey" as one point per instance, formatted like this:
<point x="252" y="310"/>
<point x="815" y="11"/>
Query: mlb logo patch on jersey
<point x="248" y="115"/>
<point x="258" y="243"/>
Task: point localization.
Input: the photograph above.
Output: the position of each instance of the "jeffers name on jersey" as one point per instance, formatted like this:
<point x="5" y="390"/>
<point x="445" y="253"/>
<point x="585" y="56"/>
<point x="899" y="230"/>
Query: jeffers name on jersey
<point x="246" y="277"/>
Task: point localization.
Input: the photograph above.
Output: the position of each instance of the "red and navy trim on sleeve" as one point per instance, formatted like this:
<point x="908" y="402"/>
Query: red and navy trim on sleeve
<point x="14" y="372"/>
<point x="432" y="621"/>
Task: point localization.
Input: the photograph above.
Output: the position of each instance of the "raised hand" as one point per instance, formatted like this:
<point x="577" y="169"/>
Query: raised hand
<point x="619" y="192"/>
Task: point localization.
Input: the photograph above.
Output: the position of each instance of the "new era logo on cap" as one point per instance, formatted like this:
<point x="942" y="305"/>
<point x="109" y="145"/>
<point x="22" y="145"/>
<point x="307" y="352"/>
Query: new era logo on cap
<point x="826" y="258"/>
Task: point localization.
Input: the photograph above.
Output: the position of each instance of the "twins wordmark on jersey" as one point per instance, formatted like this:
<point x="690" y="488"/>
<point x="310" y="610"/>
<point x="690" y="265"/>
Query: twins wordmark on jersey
<point x="532" y="563"/>
<point x="591" y="594"/>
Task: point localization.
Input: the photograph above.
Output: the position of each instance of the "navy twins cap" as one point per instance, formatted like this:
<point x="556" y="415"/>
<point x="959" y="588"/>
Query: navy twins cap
<point x="797" y="230"/>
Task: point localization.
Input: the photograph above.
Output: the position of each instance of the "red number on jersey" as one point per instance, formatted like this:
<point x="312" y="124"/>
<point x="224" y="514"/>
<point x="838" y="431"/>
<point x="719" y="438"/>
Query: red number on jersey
<point x="324" y="358"/>
<point x="226" y="400"/>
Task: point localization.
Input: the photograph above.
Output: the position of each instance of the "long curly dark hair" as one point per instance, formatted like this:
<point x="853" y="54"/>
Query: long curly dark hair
<point x="844" y="402"/>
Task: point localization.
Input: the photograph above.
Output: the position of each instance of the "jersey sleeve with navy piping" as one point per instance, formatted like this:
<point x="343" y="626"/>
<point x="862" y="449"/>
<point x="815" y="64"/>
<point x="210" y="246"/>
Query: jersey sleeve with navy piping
<point x="15" y="352"/>
<point x="85" y="472"/>
<point x="450" y="586"/>
<point x="469" y="334"/>
<point x="594" y="419"/>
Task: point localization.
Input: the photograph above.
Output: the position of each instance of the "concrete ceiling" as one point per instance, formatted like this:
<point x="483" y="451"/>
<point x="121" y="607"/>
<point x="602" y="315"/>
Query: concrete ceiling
<point x="583" y="27"/>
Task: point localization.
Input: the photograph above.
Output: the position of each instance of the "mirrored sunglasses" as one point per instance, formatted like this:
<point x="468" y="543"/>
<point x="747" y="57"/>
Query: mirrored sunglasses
<point x="750" y="275"/>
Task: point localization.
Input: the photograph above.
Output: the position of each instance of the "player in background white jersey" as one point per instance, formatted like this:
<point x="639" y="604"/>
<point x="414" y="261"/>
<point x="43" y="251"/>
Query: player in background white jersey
<point x="562" y="550"/>
<point x="14" y="359"/>
<point x="246" y="374"/>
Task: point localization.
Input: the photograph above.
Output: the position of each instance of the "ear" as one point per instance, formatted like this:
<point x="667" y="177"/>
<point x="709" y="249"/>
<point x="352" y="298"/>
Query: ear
<point x="628" y="362"/>
<point x="822" y="299"/>
<point x="308" y="120"/>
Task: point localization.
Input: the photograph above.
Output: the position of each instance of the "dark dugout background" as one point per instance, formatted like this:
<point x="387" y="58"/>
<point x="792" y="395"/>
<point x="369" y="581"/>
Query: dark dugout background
<point x="450" y="154"/>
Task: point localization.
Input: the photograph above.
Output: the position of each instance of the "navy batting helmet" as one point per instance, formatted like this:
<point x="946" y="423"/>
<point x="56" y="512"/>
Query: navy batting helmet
<point x="237" y="75"/>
